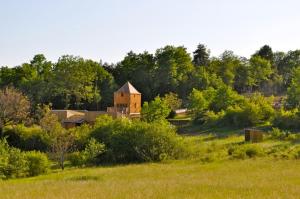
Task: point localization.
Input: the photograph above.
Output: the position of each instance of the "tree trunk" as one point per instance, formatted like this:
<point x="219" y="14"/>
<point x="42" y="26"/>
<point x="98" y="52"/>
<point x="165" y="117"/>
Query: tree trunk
<point x="62" y="159"/>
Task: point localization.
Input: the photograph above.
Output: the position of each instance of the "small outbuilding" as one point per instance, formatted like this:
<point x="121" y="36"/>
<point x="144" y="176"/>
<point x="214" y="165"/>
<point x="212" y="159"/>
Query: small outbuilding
<point x="253" y="135"/>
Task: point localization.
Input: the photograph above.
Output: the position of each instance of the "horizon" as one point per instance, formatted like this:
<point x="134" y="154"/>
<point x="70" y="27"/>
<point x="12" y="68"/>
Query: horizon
<point x="107" y="31"/>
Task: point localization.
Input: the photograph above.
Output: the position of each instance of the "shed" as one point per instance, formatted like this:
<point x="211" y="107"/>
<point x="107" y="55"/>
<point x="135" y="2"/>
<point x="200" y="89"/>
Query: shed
<point x="253" y="135"/>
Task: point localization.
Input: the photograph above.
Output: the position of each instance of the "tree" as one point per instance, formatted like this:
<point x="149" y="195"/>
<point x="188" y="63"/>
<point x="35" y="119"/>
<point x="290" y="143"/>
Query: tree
<point x="156" y="110"/>
<point x="139" y="70"/>
<point x="259" y="70"/>
<point x="174" y="70"/>
<point x="74" y="82"/>
<point x="62" y="140"/>
<point x="198" y="103"/>
<point x="266" y="53"/>
<point x="14" y="107"/>
<point x="293" y="94"/>
<point x="201" y="56"/>
<point x="172" y="100"/>
<point x="225" y="67"/>
<point x="287" y="64"/>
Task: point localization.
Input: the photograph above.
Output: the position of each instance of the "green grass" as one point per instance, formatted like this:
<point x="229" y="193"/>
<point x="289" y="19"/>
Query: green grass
<point x="210" y="173"/>
<point x="259" y="178"/>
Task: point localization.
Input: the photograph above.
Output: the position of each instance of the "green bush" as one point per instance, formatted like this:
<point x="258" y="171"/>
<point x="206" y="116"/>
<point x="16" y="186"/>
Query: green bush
<point x="13" y="162"/>
<point x="254" y="110"/>
<point x="77" y="159"/>
<point x="38" y="163"/>
<point x="245" y="151"/>
<point x="16" y="164"/>
<point x="27" y="138"/>
<point x="287" y="119"/>
<point x="137" y="141"/>
<point x="89" y="155"/>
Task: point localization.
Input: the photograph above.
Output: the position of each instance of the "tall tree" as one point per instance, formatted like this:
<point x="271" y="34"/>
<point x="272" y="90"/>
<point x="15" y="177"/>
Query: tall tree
<point x="14" y="107"/>
<point x="73" y="82"/>
<point x="201" y="56"/>
<point x="139" y="70"/>
<point x="266" y="53"/>
<point x="174" y="70"/>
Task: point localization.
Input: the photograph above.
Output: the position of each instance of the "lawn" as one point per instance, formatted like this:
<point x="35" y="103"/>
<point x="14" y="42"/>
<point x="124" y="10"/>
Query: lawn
<point x="252" y="178"/>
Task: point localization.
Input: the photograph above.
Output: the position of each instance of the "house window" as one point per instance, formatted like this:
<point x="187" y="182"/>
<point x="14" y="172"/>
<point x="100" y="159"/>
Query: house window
<point x="122" y="94"/>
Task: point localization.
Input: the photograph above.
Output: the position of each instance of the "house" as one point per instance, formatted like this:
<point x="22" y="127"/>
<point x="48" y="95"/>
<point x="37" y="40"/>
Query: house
<point x="73" y="118"/>
<point x="127" y="103"/>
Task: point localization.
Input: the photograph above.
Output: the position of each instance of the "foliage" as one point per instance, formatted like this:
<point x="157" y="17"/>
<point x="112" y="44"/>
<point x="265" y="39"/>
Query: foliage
<point x="89" y="155"/>
<point x="246" y="151"/>
<point x="27" y="138"/>
<point x="156" y="110"/>
<point x="201" y="56"/>
<point x="136" y="141"/>
<point x="38" y="163"/>
<point x="16" y="164"/>
<point x="287" y="119"/>
<point x="14" y="107"/>
<point x="293" y="100"/>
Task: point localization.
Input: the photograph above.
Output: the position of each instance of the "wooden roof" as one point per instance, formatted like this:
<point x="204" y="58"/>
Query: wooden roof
<point x="128" y="88"/>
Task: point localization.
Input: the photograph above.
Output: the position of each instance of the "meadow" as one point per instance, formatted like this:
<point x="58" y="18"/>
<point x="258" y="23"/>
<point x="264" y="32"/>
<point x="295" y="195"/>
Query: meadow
<point x="260" y="178"/>
<point x="213" y="173"/>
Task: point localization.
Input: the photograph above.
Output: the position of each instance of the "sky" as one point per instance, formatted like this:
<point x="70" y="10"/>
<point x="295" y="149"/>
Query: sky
<point x="108" y="29"/>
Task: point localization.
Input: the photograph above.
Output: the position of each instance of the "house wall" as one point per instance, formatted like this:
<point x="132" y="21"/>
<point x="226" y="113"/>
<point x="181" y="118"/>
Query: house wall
<point x="90" y="116"/>
<point x="135" y="103"/>
<point x="119" y="99"/>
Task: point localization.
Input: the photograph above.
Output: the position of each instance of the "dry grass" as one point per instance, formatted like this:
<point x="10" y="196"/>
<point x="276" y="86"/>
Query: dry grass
<point x="261" y="178"/>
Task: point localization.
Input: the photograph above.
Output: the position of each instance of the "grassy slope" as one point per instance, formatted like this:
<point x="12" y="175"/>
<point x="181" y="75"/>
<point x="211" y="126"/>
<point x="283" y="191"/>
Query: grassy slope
<point x="260" y="178"/>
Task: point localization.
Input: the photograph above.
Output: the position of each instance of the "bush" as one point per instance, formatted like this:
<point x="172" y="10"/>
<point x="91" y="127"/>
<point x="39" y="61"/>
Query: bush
<point x="246" y="151"/>
<point x="13" y="163"/>
<point x="27" y="138"/>
<point x="38" y="163"/>
<point x="287" y="119"/>
<point x="137" y="141"/>
<point x="16" y="164"/>
<point x="255" y="110"/>
<point x="90" y="154"/>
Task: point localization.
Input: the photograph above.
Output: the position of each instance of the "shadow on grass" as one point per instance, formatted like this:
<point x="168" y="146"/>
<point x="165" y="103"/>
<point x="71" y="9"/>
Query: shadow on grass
<point x="84" y="178"/>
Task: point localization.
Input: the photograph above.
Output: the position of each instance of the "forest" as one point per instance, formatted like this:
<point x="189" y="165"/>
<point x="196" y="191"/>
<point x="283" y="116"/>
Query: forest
<point x="77" y="83"/>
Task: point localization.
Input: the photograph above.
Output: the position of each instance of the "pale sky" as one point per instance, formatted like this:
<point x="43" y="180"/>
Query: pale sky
<point x="108" y="29"/>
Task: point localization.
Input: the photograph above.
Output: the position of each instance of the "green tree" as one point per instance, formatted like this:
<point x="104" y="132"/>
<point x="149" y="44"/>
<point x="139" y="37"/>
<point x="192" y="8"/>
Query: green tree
<point x="259" y="71"/>
<point x="293" y="94"/>
<point x="139" y="70"/>
<point x="174" y="70"/>
<point x="201" y="56"/>
<point x="74" y="82"/>
<point x="156" y="110"/>
<point x="266" y="53"/>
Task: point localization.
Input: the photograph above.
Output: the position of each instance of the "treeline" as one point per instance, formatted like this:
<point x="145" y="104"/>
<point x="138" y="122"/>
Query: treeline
<point x="76" y="83"/>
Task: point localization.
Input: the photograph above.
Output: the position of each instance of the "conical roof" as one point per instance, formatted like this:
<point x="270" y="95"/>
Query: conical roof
<point x="128" y="88"/>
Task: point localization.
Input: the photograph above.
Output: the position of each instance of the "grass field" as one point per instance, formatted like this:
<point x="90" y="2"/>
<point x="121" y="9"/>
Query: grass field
<point x="211" y="173"/>
<point x="259" y="178"/>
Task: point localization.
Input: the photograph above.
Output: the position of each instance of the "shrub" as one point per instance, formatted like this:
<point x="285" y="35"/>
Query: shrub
<point x="89" y="156"/>
<point x="287" y="119"/>
<point x="38" y="163"/>
<point x="27" y="138"/>
<point x="15" y="164"/>
<point x="255" y="110"/>
<point x="137" y="141"/>
<point x="77" y="159"/>
<point x="245" y="151"/>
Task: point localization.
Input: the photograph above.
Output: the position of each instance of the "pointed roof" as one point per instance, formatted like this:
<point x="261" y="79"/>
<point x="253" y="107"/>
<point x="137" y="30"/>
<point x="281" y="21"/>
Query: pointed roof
<point x="128" y="88"/>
